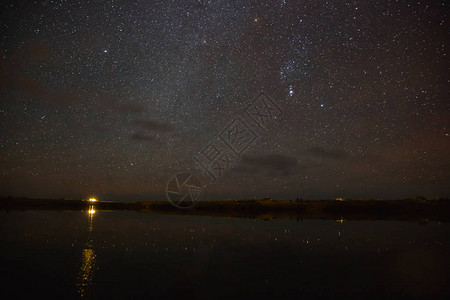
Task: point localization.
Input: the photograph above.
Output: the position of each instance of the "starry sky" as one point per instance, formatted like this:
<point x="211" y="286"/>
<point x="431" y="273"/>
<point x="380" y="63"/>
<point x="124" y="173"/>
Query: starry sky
<point x="112" y="98"/>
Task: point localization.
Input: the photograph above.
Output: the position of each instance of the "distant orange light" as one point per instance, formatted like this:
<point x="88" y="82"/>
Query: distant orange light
<point x="92" y="200"/>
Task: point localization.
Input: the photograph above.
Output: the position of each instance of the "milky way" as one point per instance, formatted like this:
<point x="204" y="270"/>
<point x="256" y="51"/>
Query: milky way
<point x="111" y="98"/>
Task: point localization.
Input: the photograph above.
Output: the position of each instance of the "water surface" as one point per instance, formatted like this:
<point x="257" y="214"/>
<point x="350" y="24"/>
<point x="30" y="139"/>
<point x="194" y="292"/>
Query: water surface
<point x="125" y="255"/>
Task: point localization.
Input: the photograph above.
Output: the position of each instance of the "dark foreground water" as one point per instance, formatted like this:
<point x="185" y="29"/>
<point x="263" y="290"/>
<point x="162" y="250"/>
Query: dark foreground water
<point x="128" y="255"/>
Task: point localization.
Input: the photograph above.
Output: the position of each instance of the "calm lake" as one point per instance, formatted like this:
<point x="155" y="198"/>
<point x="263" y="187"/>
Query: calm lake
<point x="131" y="255"/>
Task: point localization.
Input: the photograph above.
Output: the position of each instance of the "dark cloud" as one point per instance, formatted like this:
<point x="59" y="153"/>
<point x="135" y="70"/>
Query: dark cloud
<point x="130" y="108"/>
<point x="152" y="125"/>
<point x="269" y="164"/>
<point x="145" y="126"/>
<point x="14" y="76"/>
<point x="35" y="52"/>
<point x="327" y="153"/>
<point x="142" y="137"/>
<point x="123" y="107"/>
<point x="37" y="90"/>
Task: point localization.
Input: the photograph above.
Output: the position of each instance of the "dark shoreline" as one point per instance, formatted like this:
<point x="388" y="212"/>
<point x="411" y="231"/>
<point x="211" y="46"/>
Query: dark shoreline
<point x="413" y="210"/>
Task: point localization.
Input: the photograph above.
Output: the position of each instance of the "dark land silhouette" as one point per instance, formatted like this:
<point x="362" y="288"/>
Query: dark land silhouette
<point x="413" y="210"/>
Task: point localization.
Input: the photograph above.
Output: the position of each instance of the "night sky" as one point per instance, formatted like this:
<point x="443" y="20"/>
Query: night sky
<point x="112" y="98"/>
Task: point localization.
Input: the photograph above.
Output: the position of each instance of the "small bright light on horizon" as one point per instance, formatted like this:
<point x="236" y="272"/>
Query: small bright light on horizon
<point x="92" y="200"/>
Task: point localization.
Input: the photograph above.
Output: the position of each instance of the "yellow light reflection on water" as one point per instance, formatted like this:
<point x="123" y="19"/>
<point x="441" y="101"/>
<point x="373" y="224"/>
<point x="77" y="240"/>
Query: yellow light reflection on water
<point x="91" y="213"/>
<point x="87" y="271"/>
<point x="88" y="260"/>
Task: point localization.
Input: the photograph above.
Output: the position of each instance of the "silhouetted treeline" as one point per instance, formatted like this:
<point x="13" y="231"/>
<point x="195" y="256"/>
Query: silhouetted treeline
<point x="418" y="209"/>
